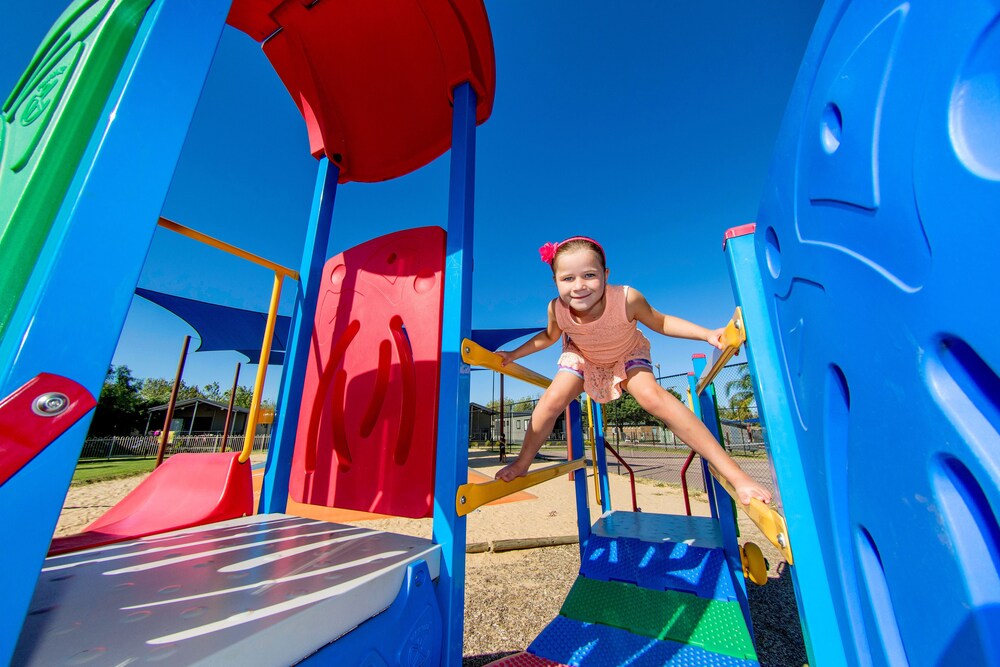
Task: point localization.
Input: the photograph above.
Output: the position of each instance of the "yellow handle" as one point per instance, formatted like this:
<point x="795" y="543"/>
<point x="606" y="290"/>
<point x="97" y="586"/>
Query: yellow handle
<point x="771" y="524"/>
<point x="476" y="355"/>
<point x="734" y="336"/>
<point x="474" y="496"/>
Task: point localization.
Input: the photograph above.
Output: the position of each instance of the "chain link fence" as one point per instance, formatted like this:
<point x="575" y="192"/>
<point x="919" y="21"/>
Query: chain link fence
<point x="662" y="458"/>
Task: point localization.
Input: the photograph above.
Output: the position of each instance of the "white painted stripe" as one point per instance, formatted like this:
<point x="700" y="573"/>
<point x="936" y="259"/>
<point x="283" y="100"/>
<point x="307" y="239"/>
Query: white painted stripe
<point x="174" y="547"/>
<point x="273" y="582"/>
<point x="257" y="614"/>
<point x="167" y="562"/>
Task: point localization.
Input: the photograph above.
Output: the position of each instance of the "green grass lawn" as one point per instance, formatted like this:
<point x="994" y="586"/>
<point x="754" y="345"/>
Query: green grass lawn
<point x="88" y="472"/>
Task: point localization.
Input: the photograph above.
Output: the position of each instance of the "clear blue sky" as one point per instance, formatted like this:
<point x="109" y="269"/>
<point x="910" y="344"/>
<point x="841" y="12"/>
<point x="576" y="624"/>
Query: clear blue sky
<point x="647" y="125"/>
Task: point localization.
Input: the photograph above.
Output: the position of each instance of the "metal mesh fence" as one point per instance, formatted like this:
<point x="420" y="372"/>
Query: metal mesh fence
<point x="662" y="458"/>
<point x="145" y="446"/>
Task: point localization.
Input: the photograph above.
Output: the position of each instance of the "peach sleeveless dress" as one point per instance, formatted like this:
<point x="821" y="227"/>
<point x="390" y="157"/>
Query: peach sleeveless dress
<point x="604" y="350"/>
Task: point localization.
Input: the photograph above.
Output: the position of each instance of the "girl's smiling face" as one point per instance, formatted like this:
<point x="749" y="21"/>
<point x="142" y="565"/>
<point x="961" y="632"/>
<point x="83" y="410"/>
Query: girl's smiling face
<point x="581" y="278"/>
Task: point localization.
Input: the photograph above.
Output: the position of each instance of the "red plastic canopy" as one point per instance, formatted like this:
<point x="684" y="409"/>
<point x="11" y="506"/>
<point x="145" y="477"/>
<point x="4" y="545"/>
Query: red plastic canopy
<point x="374" y="78"/>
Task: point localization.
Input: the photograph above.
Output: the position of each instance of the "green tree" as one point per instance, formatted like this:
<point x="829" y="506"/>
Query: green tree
<point x="120" y="407"/>
<point x="625" y="411"/>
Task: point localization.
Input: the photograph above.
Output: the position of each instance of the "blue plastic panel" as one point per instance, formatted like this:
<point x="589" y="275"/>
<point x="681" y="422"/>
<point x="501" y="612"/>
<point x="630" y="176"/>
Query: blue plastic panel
<point x="659" y="566"/>
<point x="576" y="643"/>
<point x="874" y="239"/>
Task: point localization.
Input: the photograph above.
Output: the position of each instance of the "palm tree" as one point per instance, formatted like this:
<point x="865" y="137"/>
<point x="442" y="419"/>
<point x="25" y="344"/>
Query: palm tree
<point x="742" y="403"/>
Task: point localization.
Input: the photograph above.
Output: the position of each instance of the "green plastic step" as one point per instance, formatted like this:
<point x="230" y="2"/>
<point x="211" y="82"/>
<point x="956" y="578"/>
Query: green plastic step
<point x="714" y="625"/>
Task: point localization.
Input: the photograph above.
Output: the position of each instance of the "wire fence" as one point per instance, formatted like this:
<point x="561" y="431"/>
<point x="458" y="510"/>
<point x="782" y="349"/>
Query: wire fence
<point x="146" y="446"/>
<point x="743" y="436"/>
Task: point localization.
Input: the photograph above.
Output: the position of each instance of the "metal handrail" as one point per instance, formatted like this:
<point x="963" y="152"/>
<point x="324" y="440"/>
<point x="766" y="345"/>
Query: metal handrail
<point x="734" y="336"/>
<point x="631" y="475"/>
<point x="684" y="482"/>
<point x="473" y="496"/>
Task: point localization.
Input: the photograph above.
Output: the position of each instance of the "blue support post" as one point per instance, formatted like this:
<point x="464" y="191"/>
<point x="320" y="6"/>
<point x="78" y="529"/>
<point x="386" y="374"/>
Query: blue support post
<point x="812" y="586"/>
<point x="723" y="507"/>
<point x="699" y="363"/>
<point x="601" y="464"/>
<point x="117" y="193"/>
<point x="576" y="450"/>
<point x="274" y="489"/>
<point x="453" y="412"/>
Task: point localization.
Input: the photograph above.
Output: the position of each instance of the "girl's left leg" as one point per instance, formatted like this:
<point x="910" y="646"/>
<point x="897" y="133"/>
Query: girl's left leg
<point x="664" y="406"/>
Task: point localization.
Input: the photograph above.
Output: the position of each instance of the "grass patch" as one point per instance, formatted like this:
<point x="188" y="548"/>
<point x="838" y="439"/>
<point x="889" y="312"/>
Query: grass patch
<point x="88" y="472"/>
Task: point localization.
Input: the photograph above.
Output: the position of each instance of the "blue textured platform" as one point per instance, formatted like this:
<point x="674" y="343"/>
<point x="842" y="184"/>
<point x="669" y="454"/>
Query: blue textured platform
<point x="582" y="644"/>
<point x="699" y="531"/>
<point x="659" y="566"/>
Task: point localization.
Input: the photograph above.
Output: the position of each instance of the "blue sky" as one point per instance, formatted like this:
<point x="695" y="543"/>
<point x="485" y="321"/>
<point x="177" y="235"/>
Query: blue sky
<point x="647" y="125"/>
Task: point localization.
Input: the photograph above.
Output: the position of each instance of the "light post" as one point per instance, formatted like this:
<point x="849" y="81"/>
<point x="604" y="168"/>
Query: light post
<point x="658" y="374"/>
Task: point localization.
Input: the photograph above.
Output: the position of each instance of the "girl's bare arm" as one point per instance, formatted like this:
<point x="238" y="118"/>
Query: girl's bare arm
<point x="637" y="308"/>
<point x="536" y="343"/>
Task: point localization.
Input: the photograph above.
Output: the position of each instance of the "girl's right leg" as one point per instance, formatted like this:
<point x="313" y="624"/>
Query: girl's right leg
<point x="564" y="388"/>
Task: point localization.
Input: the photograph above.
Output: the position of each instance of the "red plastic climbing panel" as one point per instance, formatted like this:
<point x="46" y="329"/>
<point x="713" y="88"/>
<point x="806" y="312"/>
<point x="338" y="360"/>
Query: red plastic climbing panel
<point x="373" y="79"/>
<point x="368" y="422"/>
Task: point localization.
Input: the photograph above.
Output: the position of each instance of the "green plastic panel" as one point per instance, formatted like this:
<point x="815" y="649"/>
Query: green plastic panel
<point x="46" y="124"/>
<point x="714" y="625"/>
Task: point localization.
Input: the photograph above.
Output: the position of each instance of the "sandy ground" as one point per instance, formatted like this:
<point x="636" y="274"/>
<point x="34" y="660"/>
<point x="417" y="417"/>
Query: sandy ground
<point x="511" y="596"/>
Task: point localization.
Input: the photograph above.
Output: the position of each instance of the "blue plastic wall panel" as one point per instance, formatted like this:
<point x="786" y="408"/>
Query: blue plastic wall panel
<point x="74" y="305"/>
<point x="723" y="504"/>
<point x="812" y="585"/>
<point x="577" y="643"/>
<point x="453" y="412"/>
<point x="659" y="566"/>
<point x="274" y="488"/>
<point x="407" y="633"/>
<point x="875" y="237"/>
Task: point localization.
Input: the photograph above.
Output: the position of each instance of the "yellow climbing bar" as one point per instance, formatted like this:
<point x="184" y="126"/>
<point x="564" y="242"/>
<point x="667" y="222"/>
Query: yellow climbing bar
<point x="734" y="336"/>
<point x="771" y="524"/>
<point x="475" y="354"/>
<point x="474" y="496"/>
<point x="166" y="223"/>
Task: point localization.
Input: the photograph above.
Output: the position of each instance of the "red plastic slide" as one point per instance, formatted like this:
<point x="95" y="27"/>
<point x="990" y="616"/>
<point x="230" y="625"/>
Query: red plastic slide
<point x="187" y="490"/>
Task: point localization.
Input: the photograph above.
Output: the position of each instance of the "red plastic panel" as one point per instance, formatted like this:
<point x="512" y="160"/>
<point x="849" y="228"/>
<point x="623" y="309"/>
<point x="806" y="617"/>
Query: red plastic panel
<point x="187" y="490"/>
<point x="35" y="415"/>
<point x="368" y="424"/>
<point x="373" y="79"/>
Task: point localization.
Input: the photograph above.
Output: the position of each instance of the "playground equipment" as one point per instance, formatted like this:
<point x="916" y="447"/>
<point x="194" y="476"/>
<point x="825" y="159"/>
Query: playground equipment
<point x="855" y="249"/>
<point x="369" y="118"/>
<point x="872" y="349"/>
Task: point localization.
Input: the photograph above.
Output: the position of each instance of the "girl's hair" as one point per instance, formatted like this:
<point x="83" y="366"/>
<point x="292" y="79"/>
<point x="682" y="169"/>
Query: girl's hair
<point x="551" y="251"/>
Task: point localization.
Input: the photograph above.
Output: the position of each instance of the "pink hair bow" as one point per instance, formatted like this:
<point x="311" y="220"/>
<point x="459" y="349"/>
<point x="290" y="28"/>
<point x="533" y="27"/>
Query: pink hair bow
<point x="548" y="251"/>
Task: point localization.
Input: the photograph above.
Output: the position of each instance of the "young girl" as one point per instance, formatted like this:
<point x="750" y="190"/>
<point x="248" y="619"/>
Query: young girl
<point x="604" y="353"/>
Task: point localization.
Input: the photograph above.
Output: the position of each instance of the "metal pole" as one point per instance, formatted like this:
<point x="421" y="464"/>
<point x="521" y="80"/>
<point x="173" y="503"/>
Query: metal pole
<point x="229" y="412"/>
<point x="170" y="406"/>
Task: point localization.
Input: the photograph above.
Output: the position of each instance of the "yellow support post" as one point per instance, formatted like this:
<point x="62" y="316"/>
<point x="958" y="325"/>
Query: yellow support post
<point x="593" y="450"/>
<point x="265" y="356"/>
